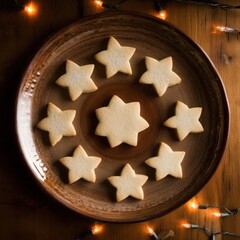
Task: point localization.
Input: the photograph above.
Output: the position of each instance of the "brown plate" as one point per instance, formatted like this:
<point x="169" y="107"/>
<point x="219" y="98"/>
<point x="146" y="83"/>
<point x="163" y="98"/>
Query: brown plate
<point x="201" y="86"/>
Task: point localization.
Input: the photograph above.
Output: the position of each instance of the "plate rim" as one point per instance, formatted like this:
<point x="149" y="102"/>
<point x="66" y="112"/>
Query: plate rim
<point x="57" y="33"/>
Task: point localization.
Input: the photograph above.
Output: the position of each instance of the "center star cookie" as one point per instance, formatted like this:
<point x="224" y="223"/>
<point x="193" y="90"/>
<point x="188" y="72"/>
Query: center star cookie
<point x="160" y="74"/>
<point x="128" y="184"/>
<point x="77" y="79"/>
<point x="80" y="165"/>
<point x="116" y="58"/>
<point x="58" y="123"/>
<point x="120" y="122"/>
<point x="167" y="162"/>
<point x="185" y="121"/>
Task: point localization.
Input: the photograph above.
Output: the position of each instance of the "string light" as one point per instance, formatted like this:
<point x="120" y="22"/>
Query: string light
<point x="218" y="214"/>
<point x="164" y="2"/>
<point x="99" y="3"/>
<point x="109" y="5"/>
<point x="211" y="235"/>
<point x="152" y="233"/>
<point x="160" y="236"/>
<point x="210" y="3"/>
<point x="219" y="28"/>
<point x="194" y="205"/>
<point x="96" y="229"/>
<point x="30" y="9"/>
<point x="161" y="8"/>
<point x="163" y="14"/>
<point x="226" y="212"/>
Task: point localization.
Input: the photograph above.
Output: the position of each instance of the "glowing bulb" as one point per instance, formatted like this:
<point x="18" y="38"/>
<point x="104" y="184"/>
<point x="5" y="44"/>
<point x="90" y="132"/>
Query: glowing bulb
<point x="187" y="225"/>
<point x="194" y="205"/>
<point x="96" y="229"/>
<point x="217" y="214"/>
<point x="221" y="28"/>
<point x="99" y="3"/>
<point x="30" y="9"/>
<point x="150" y="230"/>
<point x="218" y="28"/>
<point x="152" y="233"/>
<point x="162" y="14"/>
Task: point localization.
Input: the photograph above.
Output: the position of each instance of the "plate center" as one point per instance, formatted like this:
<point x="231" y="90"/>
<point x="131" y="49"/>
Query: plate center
<point x="149" y="110"/>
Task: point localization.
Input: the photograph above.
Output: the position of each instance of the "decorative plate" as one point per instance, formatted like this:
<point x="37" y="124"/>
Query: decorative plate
<point x="201" y="86"/>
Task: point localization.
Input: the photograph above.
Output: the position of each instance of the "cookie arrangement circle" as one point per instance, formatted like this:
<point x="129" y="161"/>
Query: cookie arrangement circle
<point x="120" y="122"/>
<point x="200" y="87"/>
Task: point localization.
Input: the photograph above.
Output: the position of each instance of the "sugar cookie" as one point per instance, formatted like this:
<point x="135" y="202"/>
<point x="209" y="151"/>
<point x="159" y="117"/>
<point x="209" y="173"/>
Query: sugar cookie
<point x="80" y="165"/>
<point x="160" y="74"/>
<point x="77" y="79"/>
<point x="120" y="122"/>
<point x="168" y="162"/>
<point x="58" y="123"/>
<point x="128" y="184"/>
<point x="116" y="58"/>
<point x="185" y="120"/>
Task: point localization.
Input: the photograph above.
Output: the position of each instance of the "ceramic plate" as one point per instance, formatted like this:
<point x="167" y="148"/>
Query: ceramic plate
<point x="201" y="86"/>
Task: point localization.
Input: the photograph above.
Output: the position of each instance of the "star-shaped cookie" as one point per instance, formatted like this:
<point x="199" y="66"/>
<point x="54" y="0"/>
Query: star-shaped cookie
<point x="58" y="123"/>
<point x="80" y="165"/>
<point x="128" y="184"/>
<point x="77" y="79"/>
<point x="160" y="74"/>
<point x="116" y="58"/>
<point x="185" y="121"/>
<point x="167" y="162"/>
<point x="120" y="122"/>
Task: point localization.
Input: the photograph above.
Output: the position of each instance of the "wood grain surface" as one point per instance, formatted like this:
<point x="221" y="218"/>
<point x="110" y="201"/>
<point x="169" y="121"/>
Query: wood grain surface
<point x="25" y="211"/>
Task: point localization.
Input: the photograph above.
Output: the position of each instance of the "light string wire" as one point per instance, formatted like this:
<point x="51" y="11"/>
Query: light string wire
<point x="212" y="235"/>
<point x="161" y="4"/>
<point x="227" y="233"/>
<point x="111" y="5"/>
<point x="210" y="3"/>
<point x="227" y="212"/>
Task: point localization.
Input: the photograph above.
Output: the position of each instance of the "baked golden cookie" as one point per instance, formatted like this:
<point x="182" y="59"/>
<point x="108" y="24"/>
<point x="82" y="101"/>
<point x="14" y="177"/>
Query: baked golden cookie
<point x="160" y="74"/>
<point x="58" y="123"/>
<point x="185" y="121"/>
<point x="116" y="58"/>
<point x="120" y="122"/>
<point x="128" y="184"/>
<point x="168" y="162"/>
<point x="80" y="165"/>
<point x="77" y="79"/>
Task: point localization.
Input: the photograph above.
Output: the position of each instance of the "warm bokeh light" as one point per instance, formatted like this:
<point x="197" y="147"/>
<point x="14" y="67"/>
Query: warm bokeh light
<point x="217" y="214"/>
<point x="221" y="28"/>
<point x="30" y="9"/>
<point x="186" y="225"/>
<point x="192" y="204"/>
<point x="96" y="229"/>
<point x="222" y="215"/>
<point x="99" y="3"/>
<point x="162" y="14"/>
<point x="150" y="230"/>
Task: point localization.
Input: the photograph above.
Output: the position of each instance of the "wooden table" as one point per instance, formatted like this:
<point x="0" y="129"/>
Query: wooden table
<point x="25" y="211"/>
